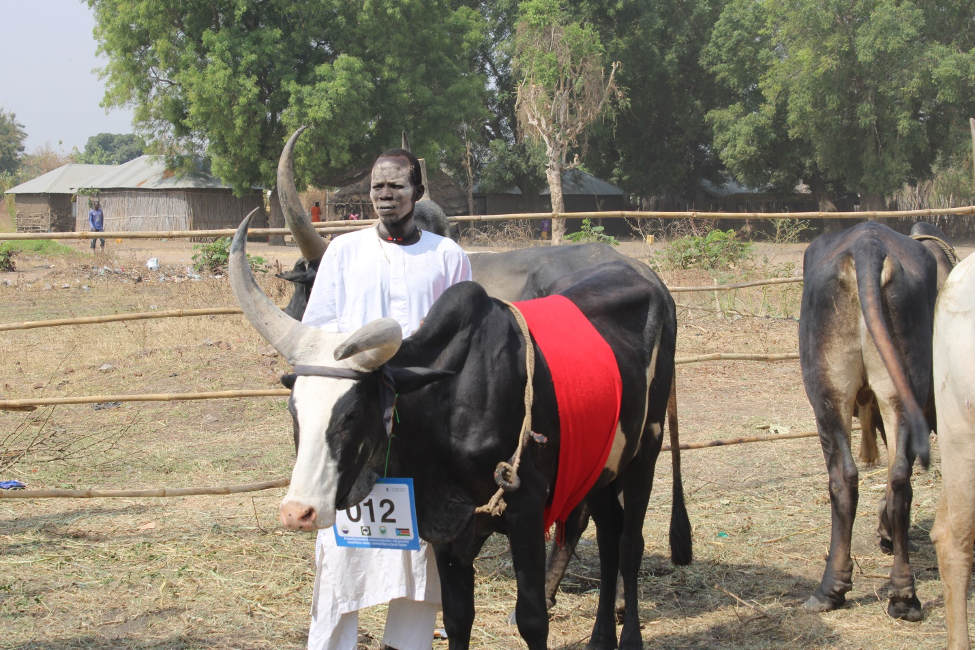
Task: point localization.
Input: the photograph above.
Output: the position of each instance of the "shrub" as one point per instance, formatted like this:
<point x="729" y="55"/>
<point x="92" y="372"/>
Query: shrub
<point x="7" y="254"/>
<point x="717" y="250"/>
<point x="213" y="257"/>
<point x="591" y="234"/>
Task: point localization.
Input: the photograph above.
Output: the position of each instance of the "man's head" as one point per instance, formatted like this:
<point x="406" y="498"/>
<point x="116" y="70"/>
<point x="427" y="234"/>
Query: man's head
<point x="97" y="205"/>
<point x="395" y="185"/>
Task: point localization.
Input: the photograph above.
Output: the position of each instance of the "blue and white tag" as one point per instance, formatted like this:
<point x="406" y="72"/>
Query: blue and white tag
<point x="386" y="518"/>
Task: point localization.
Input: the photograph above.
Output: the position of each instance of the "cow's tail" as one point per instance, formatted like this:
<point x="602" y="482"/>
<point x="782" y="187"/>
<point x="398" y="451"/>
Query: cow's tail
<point x="680" y="530"/>
<point x="869" y="262"/>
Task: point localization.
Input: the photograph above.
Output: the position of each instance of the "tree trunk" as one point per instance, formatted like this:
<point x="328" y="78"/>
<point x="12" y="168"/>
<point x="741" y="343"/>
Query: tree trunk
<point x="820" y="191"/>
<point x="872" y="201"/>
<point x="556" y="201"/>
<point x="276" y="219"/>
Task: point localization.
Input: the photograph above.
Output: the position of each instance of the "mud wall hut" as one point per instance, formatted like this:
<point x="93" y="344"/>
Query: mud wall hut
<point x="47" y="203"/>
<point x="143" y="195"/>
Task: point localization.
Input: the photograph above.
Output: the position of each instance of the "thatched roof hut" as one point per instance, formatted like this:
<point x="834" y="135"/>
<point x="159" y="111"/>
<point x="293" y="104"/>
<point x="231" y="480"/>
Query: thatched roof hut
<point x="143" y="194"/>
<point x="47" y="203"/>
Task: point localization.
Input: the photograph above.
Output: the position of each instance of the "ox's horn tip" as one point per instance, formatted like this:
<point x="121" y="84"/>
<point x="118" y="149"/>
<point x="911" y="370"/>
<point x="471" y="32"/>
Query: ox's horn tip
<point x="241" y="235"/>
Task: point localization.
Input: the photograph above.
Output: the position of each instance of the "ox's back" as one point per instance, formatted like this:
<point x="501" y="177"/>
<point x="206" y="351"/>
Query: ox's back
<point x="530" y="272"/>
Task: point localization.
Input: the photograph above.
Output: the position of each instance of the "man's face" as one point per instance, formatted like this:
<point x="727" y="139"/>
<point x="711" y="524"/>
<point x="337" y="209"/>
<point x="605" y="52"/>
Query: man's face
<point x="391" y="191"/>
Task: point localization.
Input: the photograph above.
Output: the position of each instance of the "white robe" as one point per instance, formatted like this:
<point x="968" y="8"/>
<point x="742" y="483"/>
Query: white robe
<point x="362" y="278"/>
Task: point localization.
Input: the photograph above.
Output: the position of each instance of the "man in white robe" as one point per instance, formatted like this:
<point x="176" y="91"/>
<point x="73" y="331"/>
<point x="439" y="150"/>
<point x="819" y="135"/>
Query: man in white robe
<point x="395" y="271"/>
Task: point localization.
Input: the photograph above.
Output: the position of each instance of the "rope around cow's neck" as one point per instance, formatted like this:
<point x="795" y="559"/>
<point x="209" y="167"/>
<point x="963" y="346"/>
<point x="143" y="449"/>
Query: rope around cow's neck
<point x="945" y="247"/>
<point x="506" y="474"/>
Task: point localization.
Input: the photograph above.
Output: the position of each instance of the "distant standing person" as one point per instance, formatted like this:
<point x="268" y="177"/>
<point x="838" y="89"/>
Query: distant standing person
<point x="544" y="228"/>
<point x="316" y="213"/>
<point x="96" y="222"/>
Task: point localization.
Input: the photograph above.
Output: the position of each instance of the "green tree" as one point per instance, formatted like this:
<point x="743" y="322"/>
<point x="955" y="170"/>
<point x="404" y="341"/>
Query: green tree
<point x="562" y="87"/>
<point x="112" y="149"/>
<point x="12" y="137"/>
<point x="865" y="92"/>
<point x="661" y="144"/>
<point x="232" y="78"/>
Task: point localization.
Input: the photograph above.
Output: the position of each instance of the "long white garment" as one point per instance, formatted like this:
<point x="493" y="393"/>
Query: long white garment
<point x="360" y="279"/>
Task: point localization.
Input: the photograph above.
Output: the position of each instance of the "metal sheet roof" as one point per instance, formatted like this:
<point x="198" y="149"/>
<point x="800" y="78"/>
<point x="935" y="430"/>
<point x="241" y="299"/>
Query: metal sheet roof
<point x="575" y="181"/>
<point x="62" y="180"/>
<point x="150" y="173"/>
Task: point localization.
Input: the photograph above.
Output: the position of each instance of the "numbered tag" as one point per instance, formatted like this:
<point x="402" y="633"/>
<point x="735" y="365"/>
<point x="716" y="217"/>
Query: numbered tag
<point x="386" y="518"/>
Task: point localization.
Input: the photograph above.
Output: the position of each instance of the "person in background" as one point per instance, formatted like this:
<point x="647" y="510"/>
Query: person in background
<point x="391" y="270"/>
<point x="316" y="213"/>
<point x="96" y="222"/>
<point x="544" y="228"/>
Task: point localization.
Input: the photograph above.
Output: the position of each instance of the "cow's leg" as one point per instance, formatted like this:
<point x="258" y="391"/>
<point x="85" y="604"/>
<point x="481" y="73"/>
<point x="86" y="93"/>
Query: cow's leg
<point x="608" y="515"/>
<point x="834" y="430"/>
<point x="637" y="491"/>
<point x="903" y="602"/>
<point x="523" y="519"/>
<point x="457" y="596"/>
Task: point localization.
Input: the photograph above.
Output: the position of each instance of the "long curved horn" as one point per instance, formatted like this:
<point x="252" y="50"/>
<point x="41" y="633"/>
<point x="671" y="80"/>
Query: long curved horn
<point x="282" y="331"/>
<point x="303" y="232"/>
<point x="372" y="345"/>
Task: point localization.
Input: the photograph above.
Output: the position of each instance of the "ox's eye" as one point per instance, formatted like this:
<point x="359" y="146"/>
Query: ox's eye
<point x="349" y="419"/>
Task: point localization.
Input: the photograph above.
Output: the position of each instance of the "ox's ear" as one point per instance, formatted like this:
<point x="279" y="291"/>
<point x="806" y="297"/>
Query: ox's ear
<point x="407" y="380"/>
<point x="288" y="381"/>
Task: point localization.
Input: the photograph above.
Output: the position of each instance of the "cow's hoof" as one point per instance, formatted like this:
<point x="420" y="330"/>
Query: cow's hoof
<point x="818" y="603"/>
<point x="885" y="545"/>
<point x="907" y="609"/>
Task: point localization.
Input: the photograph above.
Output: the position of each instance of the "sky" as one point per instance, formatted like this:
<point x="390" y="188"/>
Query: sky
<point x="47" y="54"/>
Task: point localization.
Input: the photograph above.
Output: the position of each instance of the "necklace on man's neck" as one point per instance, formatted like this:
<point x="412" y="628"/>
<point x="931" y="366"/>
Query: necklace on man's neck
<point x="397" y="240"/>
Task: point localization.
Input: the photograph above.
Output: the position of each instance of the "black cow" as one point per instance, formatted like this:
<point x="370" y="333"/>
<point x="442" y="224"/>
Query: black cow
<point x="865" y="339"/>
<point x="460" y="380"/>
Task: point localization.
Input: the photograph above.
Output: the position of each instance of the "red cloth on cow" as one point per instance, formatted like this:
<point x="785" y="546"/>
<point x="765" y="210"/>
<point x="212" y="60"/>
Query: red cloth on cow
<point x="587" y="383"/>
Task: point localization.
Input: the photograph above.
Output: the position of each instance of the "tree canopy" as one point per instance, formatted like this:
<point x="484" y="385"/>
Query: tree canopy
<point x="112" y="149"/>
<point x="661" y="142"/>
<point x="12" y="137"/>
<point x="863" y="92"/>
<point x="860" y="95"/>
<point x="232" y="78"/>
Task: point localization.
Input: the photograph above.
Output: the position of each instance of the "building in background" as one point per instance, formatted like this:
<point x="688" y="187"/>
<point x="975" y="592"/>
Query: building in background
<point x="48" y="203"/>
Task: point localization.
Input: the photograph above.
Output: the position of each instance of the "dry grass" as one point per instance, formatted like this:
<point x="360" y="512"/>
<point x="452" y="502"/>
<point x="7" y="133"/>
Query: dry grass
<point x="217" y="572"/>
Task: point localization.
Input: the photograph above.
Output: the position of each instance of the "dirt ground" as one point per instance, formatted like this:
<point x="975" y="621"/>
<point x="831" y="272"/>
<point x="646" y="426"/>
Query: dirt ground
<point x="218" y="572"/>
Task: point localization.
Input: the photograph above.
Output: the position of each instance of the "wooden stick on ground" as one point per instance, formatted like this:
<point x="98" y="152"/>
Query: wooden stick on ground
<point x="21" y="404"/>
<point x="733" y="356"/>
<point x="115" y="318"/>
<point x="159" y="492"/>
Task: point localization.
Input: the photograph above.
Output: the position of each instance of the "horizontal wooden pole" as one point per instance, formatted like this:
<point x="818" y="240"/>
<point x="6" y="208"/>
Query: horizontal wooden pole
<point x="158" y="234"/>
<point x="630" y="214"/>
<point x="31" y="404"/>
<point x="733" y="287"/>
<point x="184" y="313"/>
<point x="746" y="439"/>
<point x="267" y="485"/>
<point x="730" y="356"/>
<point x="115" y="318"/>
<point x="159" y="492"/>
<point x="336" y="227"/>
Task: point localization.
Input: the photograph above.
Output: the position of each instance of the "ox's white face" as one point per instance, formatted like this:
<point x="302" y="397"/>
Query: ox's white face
<point x="329" y="439"/>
